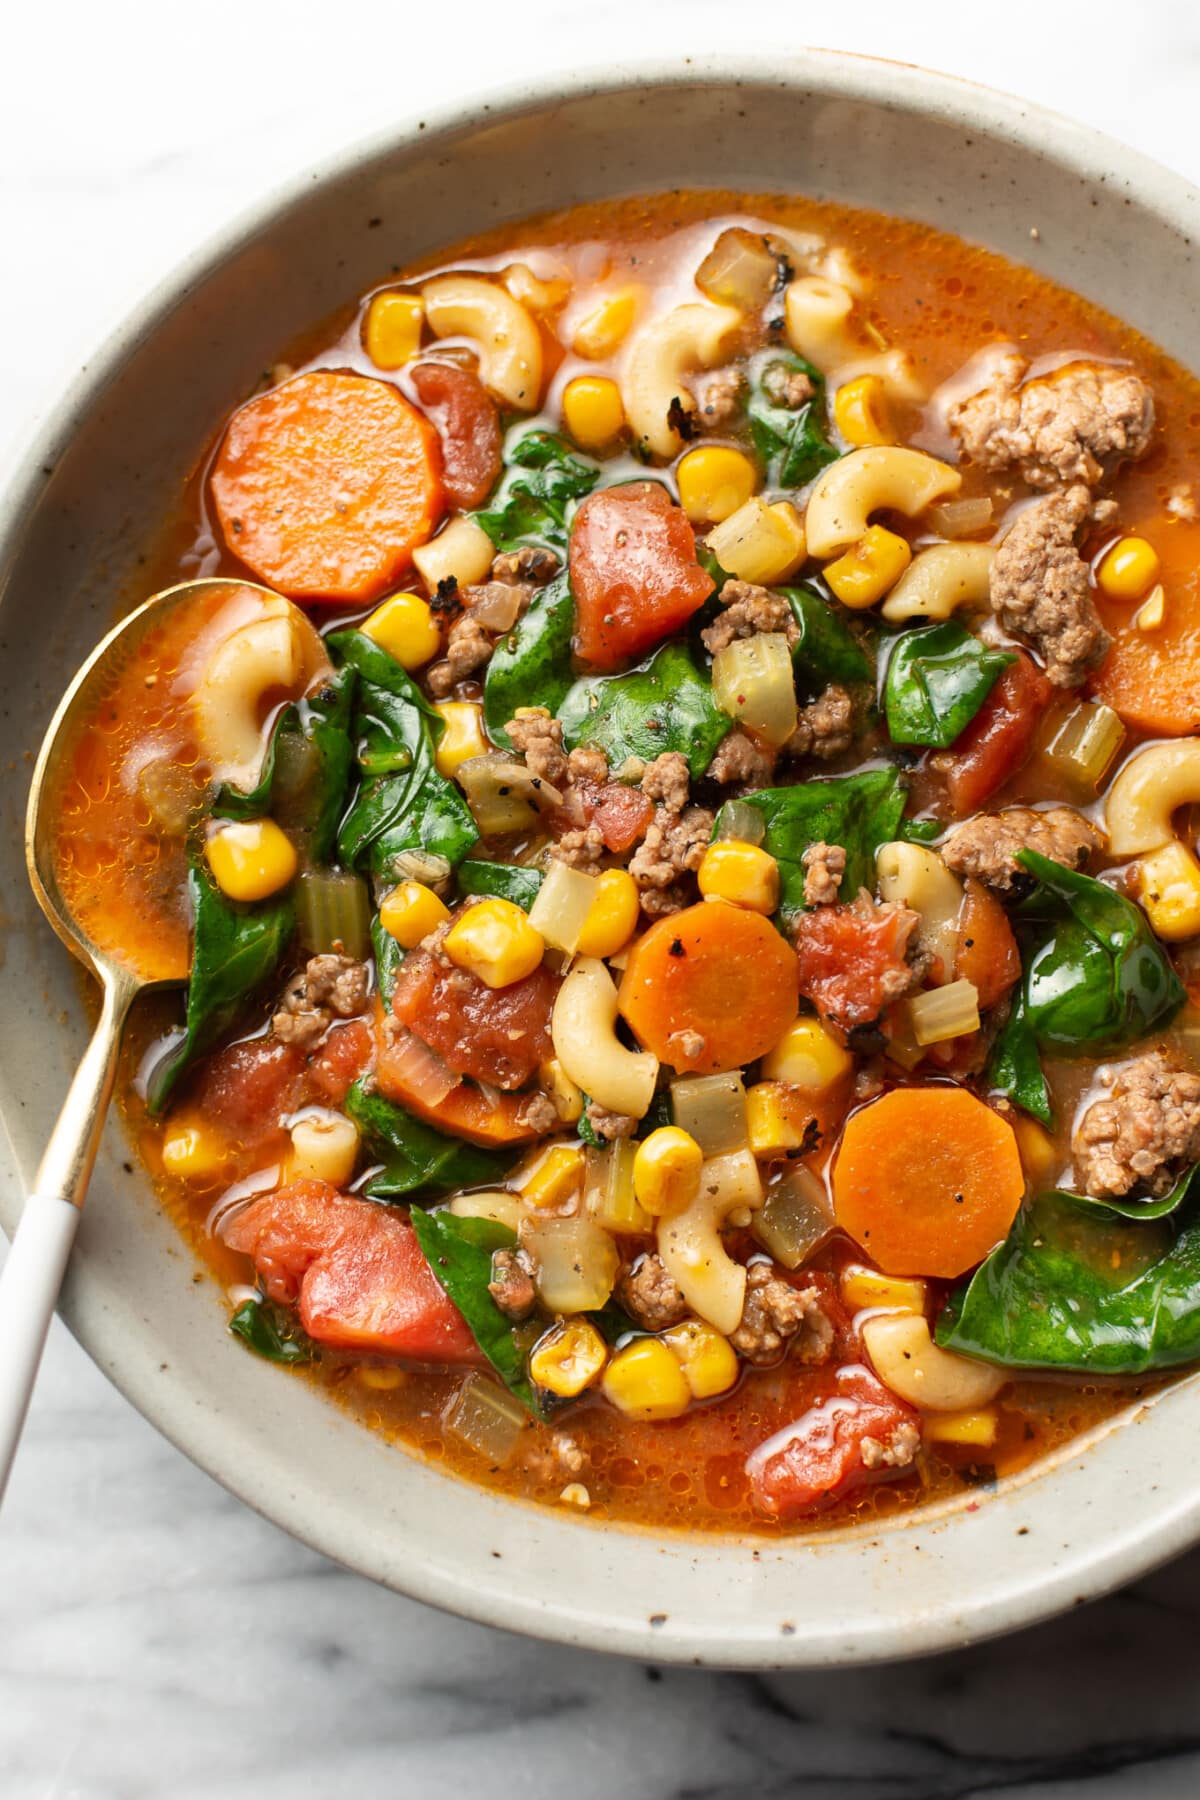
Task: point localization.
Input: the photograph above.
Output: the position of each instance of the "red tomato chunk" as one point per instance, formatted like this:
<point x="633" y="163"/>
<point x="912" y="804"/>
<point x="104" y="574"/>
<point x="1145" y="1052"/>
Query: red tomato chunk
<point x="852" y="960"/>
<point x="999" y="739"/>
<point x="839" y="1444"/>
<point x="634" y="572"/>
<point x="494" y="1035"/>
<point x="465" y="418"/>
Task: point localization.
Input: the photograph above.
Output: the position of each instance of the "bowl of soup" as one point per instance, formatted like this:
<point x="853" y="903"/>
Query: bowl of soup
<point x="681" y="1133"/>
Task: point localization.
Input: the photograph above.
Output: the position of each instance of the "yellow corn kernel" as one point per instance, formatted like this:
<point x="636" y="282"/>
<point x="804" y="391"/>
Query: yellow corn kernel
<point x="607" y="326"/>
<point x="593" y="410"/>
<point x="713" y="482"/>
<point x="1039" y="1159"/>
<point x="976" y="1427"/>
<point x="709" y="1361"/>
<point x="742" y="873"/>
<point x="558" y="1087"/>
<point x="646" y="1380"/>
<point x="862" y="1287"/>
<point x="666" y="1171"/>
<point x="381" y="1380"/>
<point x="410" y="912"/>
<point x="568" y="1358"/>
<point x="324" y="1148"/>
<point x="495" y="941"/>
<point x="808" y="1056"/>
<point x="613" y="915"/>
<point x="1169" y="889"/>
<point x="250" y="860"/>
<point x="463" y="736"/>
<point x="1127" y="569"/>
<point x="405" y="627"/>
<point x="861" y="411"/>
<point x="869" y="568"/>
<point x="556" y="1176"/>
<point x="392" y="334"/>
<point x="778" y="1118"/>
<point x="193" y="1153"/>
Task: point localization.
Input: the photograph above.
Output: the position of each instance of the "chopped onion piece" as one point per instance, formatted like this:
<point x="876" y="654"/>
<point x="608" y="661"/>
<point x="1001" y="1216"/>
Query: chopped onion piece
<point x="333" y="911"/>
<point x="742" y="823"/>
<point x="488" y="1203"/>
<point x="498" y="605"/>
<point x="752" y="681"/>
<point x="960" y="518"/>
<point x="712" y="1109"/>
<point x="170" y="791"/>
<point x="419" y="1070"/>
<point x="759" y="542"/>
<point x="486" y="1418"/>
<point x="425" y="866"/>
<point x="738" y="271"/>
<point x="502" y="794"/>
<point x="575" y="1263"/>
<point x="795" y="1219"/>
<point x="562" y="904"/>
<point x="946" y="1012"/>
<point x="608" y="1189"/>
<point x="1086" y="743"/>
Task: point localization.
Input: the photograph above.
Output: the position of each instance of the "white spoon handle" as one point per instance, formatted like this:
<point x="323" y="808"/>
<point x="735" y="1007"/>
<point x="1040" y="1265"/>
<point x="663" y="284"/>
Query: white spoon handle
<point x="29" y="1284"/>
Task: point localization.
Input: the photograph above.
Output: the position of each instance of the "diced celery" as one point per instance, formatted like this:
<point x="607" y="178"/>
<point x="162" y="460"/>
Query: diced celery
<point x="608" y="1189"/>
<point x="485" y="1418"/>
<point x="752" y="681"/>
<point x="946" y="1012"/>
<point x="795" y="1218"/>
<point x="333" y="909"/>
<point x="562" y="904"/>
<point x="712" y="1109"/>
<point x="1086" y="743"/>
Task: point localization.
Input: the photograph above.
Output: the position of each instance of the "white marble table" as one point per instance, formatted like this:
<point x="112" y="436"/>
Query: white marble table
<point x="156" y="1637"/>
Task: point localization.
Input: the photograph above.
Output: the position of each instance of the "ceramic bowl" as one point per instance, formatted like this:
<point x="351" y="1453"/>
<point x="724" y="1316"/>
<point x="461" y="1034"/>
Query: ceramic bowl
<point x="101" y="476"/>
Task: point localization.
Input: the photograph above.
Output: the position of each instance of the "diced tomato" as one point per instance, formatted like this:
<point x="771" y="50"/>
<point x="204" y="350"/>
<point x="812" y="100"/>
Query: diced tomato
<point x="494" y="1035"/>
<point x="987" y="953"/>
<point x="819" y="1458"/>
<point x="999" y="739"/>
<point x="634" y="572"/>
<point x="466" y="420"/>
<point x="852" y="959"/>
<point x="246" y="1089"/>
<point x="482" y="1116"/>
<point x="621" y="813"/>
<point x="357" y="1271"/>
<point x="341" y="1059"/>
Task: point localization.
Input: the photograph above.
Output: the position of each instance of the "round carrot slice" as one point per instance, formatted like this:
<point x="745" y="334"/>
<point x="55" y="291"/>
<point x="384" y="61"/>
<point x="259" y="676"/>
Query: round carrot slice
<point x="1152" y="677"/>
<point x="326" y="485"/>
<point x="710" y="988"/>
<point x="927" y="1180"/>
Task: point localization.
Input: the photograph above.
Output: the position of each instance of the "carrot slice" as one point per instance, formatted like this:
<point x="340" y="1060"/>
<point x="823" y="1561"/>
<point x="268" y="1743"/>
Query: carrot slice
<point x="1152" y="678"/>
<point x="987" y="953"/>
<point x="927" y="1180"/>
<point x="469" y="1112"/>
<point x="326" y="485"/>
<point x="710" y="988"/>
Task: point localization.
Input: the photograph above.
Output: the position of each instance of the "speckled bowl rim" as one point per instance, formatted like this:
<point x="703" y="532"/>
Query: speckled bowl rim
<point x="1165" y="1518"/>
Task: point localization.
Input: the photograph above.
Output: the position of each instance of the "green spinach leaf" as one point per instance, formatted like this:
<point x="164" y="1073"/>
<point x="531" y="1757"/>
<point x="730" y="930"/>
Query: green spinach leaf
<point x="860" y="812"/>
<point x="416" y="1159"/>
<point x="507" y="881"/>
<point x="270" y="1331"/>
<point x="1015" y="1068"/>
<point x="938" y="677"/>
<point x="460" y="1251"/>
<point x="791" y="440"/>
<point x="542" y="481"/>
<point x="827" y="649"/>
<point x="667" y="705"/>
<point x="1097" y="978"/>
<point x="532" y="665"/>
<point x="306" y="770"/>
<point x="388" y="956"/>
<point x="235" y="950"/>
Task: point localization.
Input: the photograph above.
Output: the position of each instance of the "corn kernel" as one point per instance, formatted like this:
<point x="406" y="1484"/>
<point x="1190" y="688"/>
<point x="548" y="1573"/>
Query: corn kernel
<point x="382" y="1380"/>
<point x="666" y="1171"/>
<point x="862" y="1287"/>
<point x="1127" y="569"/>
<point x="779" y="1118"/>
<point x="558" y="1087"/>
<point x="645" y="1380"/>
<point x="392" y="334"/>
<point x="555" y="1177"/>
<point x="613" y="915"/>
<point x="709" y="1361"/>
<point x="1039" y="1159"/>
<point x="410" y="912"/>
<point x="808" y="1056"/>
<point x="607" y="326"/>
<point x="593" y="410"/>
<point x="976" y="1427"/>
<point x="1169" y="889"/>
<point x="250" y="860"/>
<point x="324" y="1148"/>
<point x="861" y="412"/>
<point x="713" y="482"/>
<point x="742" y="873"/>
<point x="462" y="737"/>
<point x="405" y="627"/>
<point x="869" y="568"/>
<point x="193" y="1153"/>
<point x="568" y="1358"/>
<point x="495" y="941"/>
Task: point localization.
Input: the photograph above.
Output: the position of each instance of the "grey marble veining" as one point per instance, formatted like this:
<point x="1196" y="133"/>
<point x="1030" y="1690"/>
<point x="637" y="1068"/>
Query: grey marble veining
<point x="156" y="1638"/>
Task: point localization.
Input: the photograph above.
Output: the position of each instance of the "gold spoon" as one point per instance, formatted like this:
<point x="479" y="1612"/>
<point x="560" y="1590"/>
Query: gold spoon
<point x="37" y="1260"/>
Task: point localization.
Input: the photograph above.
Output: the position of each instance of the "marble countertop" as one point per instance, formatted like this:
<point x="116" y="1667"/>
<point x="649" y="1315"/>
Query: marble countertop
<point x="156" y="1636"/>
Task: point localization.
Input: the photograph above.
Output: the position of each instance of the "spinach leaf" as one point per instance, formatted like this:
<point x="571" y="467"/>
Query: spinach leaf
<point x="404" y="802"/>
<point x="306" y="769"/>
<point x="1015" y="1067"/>
<point x="860" y="812"/>
<point x="271" y="1332"/>
<point x="921" y="831"/>
<point x="235" y="949"/>
<point x="532" y="665"/>
<point x="506" y="880"/>
<point x="533" y="504"/>
<point x="791" y="440"/>
<point x="417" y="1159"/>
<point x="707" y="559"/>
<point x="460" y="1251"/>
<point x="828" y="649"/>
<point x="938" y="677"/>
<point x="388" y="956"/>
<point x="1094" y="1286"/>
<point x="1098" y="978"/>
<point x="667" y="705"/>
<point x="586" y="1130"/>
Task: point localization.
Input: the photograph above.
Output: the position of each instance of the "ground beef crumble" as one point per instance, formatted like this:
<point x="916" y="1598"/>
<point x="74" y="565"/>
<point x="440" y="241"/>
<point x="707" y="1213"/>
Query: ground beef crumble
<point x="668" y="780"/>
<point x="468" y="648"/>
<point x="511" y="1286"/>
<point x="650" y="1294"/>
<point x="775" y="1313"/>
<point x="825" y="726"/>
<point x="538" y="738"/>
<point x="672" y="849"/>
<point x="1072" y="426"/>
<point x="824" y="865"/>
<point x="1138" y="1137"/>
<point x="1041" y="589"/>
<point x="749" y="610"/>
<point x="740" y="762"/>
<point x="609" y="1125"/>
<point x="986" y="845"/>
<point x="894" y="1452"/>
<point x="330" y="986"/>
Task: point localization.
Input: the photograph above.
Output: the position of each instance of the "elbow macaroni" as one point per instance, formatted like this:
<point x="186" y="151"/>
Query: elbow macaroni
<point x="914" y="876"/>
<point x="663" y="355"/>
<point x="274" y="653"/>
<point x="817" y="317"/>
<point x="907" y="1360"/>
<point x="586" y="1044"/>
<point x="940" y="580"/>
<point x="510" y="349"/>
<point x="690" y="1243"/>
<point x="1149" y="789"/>
<point x="851" y="489"/>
